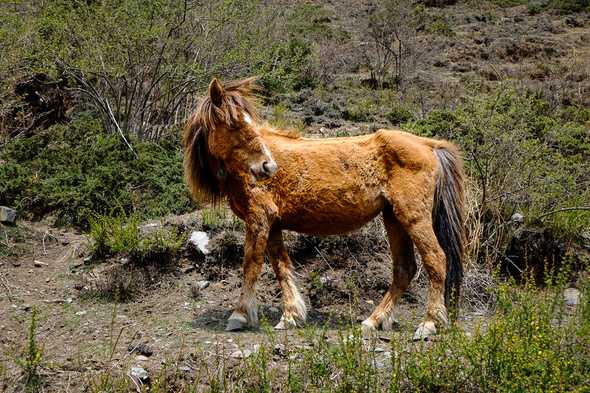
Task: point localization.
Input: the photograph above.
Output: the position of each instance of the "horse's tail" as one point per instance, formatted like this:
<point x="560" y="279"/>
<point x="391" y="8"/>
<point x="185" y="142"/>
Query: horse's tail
<point x="448" y="216"/>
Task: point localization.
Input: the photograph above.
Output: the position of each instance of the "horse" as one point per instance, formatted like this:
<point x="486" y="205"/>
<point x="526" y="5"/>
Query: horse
<point x="276" y="180"/>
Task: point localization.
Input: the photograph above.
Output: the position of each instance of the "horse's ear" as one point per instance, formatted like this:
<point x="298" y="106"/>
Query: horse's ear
<point x="216" y="92"/>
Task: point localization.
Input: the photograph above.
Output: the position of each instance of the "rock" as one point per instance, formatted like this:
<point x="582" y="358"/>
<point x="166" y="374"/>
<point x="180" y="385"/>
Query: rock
<point x="141" y="358"/>
<point x="187" y="269"/>
<point x="81" y="313"/>
<point x="7" y="215"/>
<point x="239" y="354"/>
<point x="202" y="284"/>
<point x="185" y="369"/>
<point x="200" y="240"/>
<point x="140" y="373"/>
<point x="39" y="263"/>
<point x="571" y="296"/>
<point x="280" y="350"/>
<point x="141" y="349"/>
<point x="517" y="218"/>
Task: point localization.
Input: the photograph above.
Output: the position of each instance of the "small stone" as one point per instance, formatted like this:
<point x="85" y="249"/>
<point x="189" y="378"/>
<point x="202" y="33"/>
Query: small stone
<point x="139" y="373"/>
<point x="7" y="215"/>
<point x="141" y="349"/>
<point x="241" y="354"/>
<point x="571" y="296"/>
<point x="87" y="260"/>
<point x="202" y="284"/>
<point x="81" y="313"/>
<point x="379" y="349"/>
<point x="185" y="369"/>
<point x="141" y="358"/>
<point x="39" y="263"/>
<point x="69" y="300"/>
<point x="16" y="263"/>
<point x="517" y="218"/>
<point x="200" y="240"/>
<point x="279" y="350"/>
<point x="187" y="269"/>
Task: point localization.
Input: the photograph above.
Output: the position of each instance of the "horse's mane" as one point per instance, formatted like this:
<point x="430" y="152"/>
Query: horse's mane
<point x="202" y="170"/>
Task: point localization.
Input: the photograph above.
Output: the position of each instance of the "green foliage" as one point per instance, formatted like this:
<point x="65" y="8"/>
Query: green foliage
<point x="120" y="234"/>
<point x="32" y="357"/>
<point x="439" y="26"/>
<point x="398" y="115"/>
<point x="148" y="58"/>
<point x="532" y="342"/>
<point x="535" y="7"/>
<point x="523" y="155"/>
<point x="71" y="170"/>
<point x="360" y="110"/>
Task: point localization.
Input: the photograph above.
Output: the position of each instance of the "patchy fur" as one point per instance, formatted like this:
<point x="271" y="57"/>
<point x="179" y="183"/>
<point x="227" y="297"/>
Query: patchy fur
<point x="332" y="186"/>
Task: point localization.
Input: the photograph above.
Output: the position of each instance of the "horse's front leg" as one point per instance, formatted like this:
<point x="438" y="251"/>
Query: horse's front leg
<point x="246" y="312"/>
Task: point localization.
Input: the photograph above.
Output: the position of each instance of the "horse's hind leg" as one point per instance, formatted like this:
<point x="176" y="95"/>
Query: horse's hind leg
<point x="414" y="212"/>
<point x="293" y="305"/>
<point x="404" y="268"/>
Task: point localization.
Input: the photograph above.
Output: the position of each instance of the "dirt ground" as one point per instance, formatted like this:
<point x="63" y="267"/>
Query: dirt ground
<point x="81" y="335"/>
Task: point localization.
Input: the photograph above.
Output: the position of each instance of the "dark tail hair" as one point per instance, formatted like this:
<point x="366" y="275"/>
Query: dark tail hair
<point x="448" y="215"/>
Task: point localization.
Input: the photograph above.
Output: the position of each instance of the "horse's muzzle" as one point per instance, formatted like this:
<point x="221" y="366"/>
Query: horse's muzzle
<point x="265" y="171"/>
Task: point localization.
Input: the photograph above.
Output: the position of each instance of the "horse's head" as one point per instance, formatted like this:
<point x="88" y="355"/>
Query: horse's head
<point x="221" y="140"/>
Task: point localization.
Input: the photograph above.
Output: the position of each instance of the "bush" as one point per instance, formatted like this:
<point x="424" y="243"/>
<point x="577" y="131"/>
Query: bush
<point x="398" y="115"/>
<point x="120" y="234"/>
<point x="71" y="170"/>
<point x="521" y="156"/>
<point x="140" y="63"/>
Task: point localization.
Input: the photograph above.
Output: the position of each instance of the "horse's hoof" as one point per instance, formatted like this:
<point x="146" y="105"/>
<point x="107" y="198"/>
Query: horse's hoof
<point x="367" y="328"/>
<point x="424" y="331"/>
<point x="286" y="323"/>
<point x="236" y="322"/>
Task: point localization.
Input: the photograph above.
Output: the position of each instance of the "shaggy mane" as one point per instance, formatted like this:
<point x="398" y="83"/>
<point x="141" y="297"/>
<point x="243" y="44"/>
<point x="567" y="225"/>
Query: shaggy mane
<point x="201" y="169"/>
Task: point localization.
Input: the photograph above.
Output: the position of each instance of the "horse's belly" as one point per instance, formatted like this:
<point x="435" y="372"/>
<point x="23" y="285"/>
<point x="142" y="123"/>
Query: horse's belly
<point x="332" y="214"/>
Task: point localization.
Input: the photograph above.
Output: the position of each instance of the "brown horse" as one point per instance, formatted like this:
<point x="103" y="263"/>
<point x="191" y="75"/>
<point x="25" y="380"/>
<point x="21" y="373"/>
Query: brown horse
<point x="275" y="180"/>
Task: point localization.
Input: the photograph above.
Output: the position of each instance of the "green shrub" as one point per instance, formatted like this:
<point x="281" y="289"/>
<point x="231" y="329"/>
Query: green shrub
<point x="120" y="234"/>
<point x="32" y="357"/>
<point x="71" y="170"/>
<point x="440" y="26"/>
<point x="398" y="115"/>
<point x="523" y="156"/>
<point x="361" y="110"/>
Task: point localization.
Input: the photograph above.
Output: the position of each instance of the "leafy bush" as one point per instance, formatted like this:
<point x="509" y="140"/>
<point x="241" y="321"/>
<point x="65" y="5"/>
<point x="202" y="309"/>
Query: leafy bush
<point x="398" y="115"/>
<point x="522" y="155"/>
<point x="71" y="170"/>
<point x="140" y="63"/>
<point x="120" y="234"/>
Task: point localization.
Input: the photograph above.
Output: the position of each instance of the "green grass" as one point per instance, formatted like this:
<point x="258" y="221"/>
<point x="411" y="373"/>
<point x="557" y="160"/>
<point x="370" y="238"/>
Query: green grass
<point x="31" y="358"/>
<point x="120" y="234"/>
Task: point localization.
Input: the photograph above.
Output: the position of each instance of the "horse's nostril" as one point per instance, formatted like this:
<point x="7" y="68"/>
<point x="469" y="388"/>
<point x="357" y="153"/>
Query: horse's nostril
<point x="266" y="166"/>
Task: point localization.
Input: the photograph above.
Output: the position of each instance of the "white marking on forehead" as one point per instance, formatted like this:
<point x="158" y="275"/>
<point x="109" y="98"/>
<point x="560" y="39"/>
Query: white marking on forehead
<point x="247" y="119"/>
<point x="267" y="152"/>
